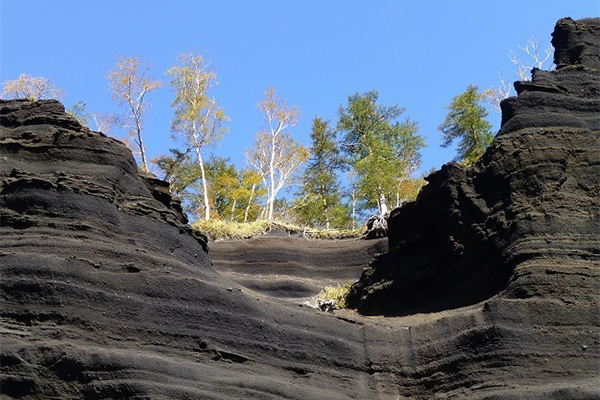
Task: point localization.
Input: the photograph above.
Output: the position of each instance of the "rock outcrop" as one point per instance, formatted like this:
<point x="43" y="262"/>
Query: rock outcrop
<point x="106" y="293"/>
<point x="532" y="200"/>
<point x="521" y="228"/>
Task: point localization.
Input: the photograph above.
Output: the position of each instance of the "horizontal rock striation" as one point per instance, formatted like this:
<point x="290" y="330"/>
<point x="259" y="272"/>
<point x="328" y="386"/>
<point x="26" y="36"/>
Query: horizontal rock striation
<point x="106" y="293"/>
<point x="292" y="267"/>
<point x="520" y="228"/>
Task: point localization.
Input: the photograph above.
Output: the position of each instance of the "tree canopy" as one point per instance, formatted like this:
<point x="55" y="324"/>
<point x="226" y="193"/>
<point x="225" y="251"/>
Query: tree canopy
<point x="320" y="200"/>
<point x="198" y="119"/>
<point x="129" y="84"/>
<point x="381" y="150"/>
<point x="275" y="155"/>
<point x="466" y="123"/>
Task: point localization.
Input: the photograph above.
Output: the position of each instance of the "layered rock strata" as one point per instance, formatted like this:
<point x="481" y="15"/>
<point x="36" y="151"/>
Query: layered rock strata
<point x="106" y="293"/>
<point x="518" y="231"/>
<point x="532" y="199"/>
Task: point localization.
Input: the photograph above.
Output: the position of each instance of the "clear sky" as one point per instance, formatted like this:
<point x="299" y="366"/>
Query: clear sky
<point x="418" y="54"/>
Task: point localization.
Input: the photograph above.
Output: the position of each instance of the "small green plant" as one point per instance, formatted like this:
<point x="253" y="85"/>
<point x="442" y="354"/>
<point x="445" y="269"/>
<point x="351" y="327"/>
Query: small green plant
<point x="338" y="293"/>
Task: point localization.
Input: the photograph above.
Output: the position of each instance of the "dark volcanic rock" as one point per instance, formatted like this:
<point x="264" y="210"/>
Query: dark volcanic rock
<point x="521" y="227"/>
<point x="293" y="267"/>
<point x="577" y="43"/>
<point x="532" y="199"/>
<point x="107" y="294"/>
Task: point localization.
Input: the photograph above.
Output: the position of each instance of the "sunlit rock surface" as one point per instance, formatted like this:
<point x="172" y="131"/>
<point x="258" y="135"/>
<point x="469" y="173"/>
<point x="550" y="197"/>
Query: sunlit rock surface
<point x="106" y="293"/>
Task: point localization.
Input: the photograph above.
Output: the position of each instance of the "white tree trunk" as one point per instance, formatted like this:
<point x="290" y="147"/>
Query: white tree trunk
<point x="204" y="184"/>
<point x="353" y="210"/>
<point x="383" y="209"/>
<point x="249" y="203"/>
<point x="272" y="179"/>
<point x="142" y="150"/>
<point x="326" y="213"/>
<point x="232" y="209"/>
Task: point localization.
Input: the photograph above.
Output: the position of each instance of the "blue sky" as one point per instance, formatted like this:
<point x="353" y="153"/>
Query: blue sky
<point x="418" y="54"/>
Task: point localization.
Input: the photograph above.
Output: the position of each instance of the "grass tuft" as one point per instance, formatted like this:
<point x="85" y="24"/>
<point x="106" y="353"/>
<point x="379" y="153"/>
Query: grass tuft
<point x="338" y="292"/>
<point x="218" y="229"/>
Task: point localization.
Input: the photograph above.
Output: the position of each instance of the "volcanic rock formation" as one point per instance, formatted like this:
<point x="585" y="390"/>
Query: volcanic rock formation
<point x="106" y="293"/>
<point x="531" y="202"/>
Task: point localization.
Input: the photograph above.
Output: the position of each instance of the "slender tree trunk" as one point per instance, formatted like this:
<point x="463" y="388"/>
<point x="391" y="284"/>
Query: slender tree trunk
<point x="232" y="209"/>
<point x="383" y="209"/>
<point x="353" y="210"/>
<point x="326" y="212"/>
<point x="142" y="150"/>
<point x="138" y="128"/>
<point x="249" y="203"/>
<point x="264" y="211"/>
<point x="204" y="185"/>
<point x="272" y="179"/>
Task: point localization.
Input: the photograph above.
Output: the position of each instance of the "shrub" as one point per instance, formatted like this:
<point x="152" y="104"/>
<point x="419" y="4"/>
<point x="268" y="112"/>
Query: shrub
<point x="335" y="234"/>
<point x="339" y="293"/>
<point x="219" y="229"/>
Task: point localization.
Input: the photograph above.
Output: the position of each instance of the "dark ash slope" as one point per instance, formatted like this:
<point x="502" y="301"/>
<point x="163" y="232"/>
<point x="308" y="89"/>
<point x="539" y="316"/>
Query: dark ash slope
<point x="107" y="294"/>
<point x="293" y="267"/>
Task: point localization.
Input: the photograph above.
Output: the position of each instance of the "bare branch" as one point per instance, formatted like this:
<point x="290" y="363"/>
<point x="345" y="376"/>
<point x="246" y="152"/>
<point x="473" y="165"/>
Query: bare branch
<point x="129" y="83"/>
<point x="29" y="87"/>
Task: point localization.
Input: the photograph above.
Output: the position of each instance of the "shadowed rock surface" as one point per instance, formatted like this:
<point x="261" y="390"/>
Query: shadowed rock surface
<point x="107" y="294"/>
<point x="532" y="200"/>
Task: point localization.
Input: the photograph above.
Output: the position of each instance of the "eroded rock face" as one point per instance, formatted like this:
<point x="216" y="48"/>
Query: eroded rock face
<point x="107" y="294"/>
<point x="531" y="200"/>
<point x="577" y="43"/>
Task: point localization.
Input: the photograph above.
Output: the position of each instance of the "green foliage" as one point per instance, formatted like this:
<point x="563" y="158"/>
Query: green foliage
<point x="339" y="293"/>
<point x="381" y="150"/>
<point x="466" y="122"/>
<point x="181" y="171"/>
<point x="79" y="111"/>
<point x="223" y="178"/>
<point x="319" y="204"/>
<point x="235" y="195"/>
<point x="408" y="189"/>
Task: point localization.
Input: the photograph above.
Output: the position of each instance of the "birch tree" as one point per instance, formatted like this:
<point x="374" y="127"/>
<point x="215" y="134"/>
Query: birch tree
<point x="536" y="57"/>
<point x="275" y="155"/>
<point x="130" y="84"/>
<point x="250" y="184"/>
<point x="198" y="119"/>
<point x="32" y="88"/>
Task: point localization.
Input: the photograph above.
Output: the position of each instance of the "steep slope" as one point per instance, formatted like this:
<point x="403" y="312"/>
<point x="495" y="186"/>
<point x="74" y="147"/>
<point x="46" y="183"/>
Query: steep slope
<point x="531" y="200"/>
